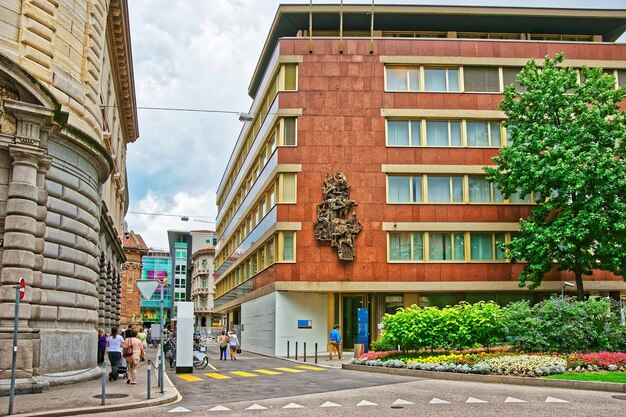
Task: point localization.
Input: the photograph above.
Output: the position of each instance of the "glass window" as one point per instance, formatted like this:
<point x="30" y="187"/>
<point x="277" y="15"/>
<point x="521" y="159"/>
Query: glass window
<point x="445" y="189"/>
<point x="261" y="258"/>
<point x="509" y="76"/>
<point x="402" y="79"/>
<point x="621" y="78"/>
<point x="500" y="239"/>
<point x="443" y="133"/>
<point x="288" y="246"/>
<point x="289" y="188"/>
<point x="441" y="79"/>
<point x="481" y="79"/>
<point x="517" y="198"/>
<point x="440" y="248"/>
<point x="291" y="78"/>
<point x="481" y="246"/>
<point x="253" y="260"/>
<point x="495" y="139"/>
<point x="398" y="133"/>
<point x="477" y="134"/>
<point x="399" y="189"/>
<point x="479" y="189"/>
<point x="393" y="303"/>
<point x="290" y="131"/>
<point x="270" y="252"/>
<point x="418" y="246"/>
<point x="399" y="246"/>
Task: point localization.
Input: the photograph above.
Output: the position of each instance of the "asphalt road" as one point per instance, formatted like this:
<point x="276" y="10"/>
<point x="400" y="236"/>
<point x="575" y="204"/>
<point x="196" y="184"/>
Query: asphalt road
<point x="246" y="390"/>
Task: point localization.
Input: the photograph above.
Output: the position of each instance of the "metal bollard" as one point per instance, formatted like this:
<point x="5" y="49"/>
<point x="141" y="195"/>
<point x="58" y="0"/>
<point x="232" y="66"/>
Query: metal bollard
<point x="316" y="353"/>
<point x="287" y="349"/>
<point x="296" y="350"/>
<point x="305" y="351"/>
<point x="104" y="383"/>
<point x="148" y="384"/>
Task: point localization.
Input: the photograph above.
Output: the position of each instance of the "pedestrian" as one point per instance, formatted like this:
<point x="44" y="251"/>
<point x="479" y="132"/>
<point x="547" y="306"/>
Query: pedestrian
<point x="137" y="354"/>
<point x="143" y="337"/>
<point x="114" y="352"/>
<point x="222" y="341"/>
<point x="233" y="342"/>
<point x="335" y="343"/>
<point x="102" y="346"/>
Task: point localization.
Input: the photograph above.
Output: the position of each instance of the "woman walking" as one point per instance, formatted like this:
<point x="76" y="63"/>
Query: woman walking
<point x="234" y="344"/>
<point x="138" y="354"/>
<point x="114" y="352"/>
<point x="222" y="342"/>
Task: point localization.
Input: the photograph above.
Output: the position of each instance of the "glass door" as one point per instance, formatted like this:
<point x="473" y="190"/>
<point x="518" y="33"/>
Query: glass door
<point x="350" y="323"/>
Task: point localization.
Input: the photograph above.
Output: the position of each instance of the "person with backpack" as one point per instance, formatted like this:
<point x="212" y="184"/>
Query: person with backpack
<point x="222" y="341"/>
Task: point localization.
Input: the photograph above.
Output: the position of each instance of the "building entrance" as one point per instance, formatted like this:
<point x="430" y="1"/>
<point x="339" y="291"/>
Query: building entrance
<point x="350" y="319"/>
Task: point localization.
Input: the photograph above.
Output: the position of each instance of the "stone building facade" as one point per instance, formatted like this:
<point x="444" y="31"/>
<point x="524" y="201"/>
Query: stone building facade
<point x="67" y="114"/>
<point x="134" y="249"/>
<point x="372" y="136"/>
<point x="203" y="285"/>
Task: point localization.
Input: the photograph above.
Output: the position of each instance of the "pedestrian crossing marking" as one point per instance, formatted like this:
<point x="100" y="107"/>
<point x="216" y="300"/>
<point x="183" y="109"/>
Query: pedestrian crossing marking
<point x="310" y="368"/>
<point x="267" y="372"/>
<point x="217" y="376"/>
<point x="242" y="373"/>
<point x="289" y="370"/>
<point x="189" y="378"/>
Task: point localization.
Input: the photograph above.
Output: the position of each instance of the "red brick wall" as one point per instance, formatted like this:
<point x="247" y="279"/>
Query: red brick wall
<point x="131" y="298"/>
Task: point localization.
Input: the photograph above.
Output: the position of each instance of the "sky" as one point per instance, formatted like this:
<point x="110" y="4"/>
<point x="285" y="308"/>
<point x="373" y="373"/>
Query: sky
<point x="201" y="54"/>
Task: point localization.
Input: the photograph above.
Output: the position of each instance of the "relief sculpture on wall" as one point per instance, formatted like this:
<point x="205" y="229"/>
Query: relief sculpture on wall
<point x="334" y="224"/>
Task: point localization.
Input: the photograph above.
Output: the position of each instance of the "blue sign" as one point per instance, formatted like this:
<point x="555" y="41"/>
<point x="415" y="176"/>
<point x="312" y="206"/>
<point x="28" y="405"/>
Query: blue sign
<point x="305" y="324"/>
<point x="363" y="322"/>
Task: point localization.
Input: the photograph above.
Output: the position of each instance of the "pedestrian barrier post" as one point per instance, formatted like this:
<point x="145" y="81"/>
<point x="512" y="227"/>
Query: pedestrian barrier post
<point x="296" y="350"/>
<point x="148" y="384"/>
<point x="305" y="351"/>
<point x="104" y="383"/>
<point x="316" y="353"/>
<point x="287" y="348"/>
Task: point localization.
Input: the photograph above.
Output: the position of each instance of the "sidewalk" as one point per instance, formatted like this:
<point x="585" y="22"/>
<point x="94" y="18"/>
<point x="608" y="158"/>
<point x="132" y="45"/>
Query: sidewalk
<point x="85" y="397"/>
<point x="322" y="359"/>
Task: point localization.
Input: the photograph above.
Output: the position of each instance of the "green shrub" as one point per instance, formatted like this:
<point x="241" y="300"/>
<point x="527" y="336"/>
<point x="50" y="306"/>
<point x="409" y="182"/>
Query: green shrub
<point x="565" y="325"/>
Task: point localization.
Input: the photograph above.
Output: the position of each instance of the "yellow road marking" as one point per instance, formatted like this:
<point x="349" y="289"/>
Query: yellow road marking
<point x="189" y="378"/>
<point x="267" y="372"/>
<point x="242" y="373"/>
<point x="310" y="368"/>
<point x="289" y="370"/>
<point x="217" y="376"/>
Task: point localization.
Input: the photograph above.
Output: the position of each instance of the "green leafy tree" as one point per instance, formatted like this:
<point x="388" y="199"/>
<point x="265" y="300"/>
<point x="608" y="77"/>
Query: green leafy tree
<point x="567" y="142"/>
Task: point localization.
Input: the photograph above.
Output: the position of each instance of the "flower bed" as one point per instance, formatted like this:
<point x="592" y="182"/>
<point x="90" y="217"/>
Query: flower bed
<point x="499" y="362"/>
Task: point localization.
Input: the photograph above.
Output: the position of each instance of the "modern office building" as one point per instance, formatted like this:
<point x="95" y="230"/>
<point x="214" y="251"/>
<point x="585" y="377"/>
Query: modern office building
<point x="359" y="183"/>
<point x="134" y="249"/>
<point x="157" y="265"/>
<point x="183" y="244"/>
<point x="67" y="115"/>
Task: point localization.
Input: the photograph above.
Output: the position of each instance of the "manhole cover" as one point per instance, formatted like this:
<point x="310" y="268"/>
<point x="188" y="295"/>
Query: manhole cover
<point x="619" y="397"/>
<point x="111" y="396"/>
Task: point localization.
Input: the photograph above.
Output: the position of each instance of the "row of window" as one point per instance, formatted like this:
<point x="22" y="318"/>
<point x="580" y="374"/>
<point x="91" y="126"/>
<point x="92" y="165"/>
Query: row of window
<point x="429" y="188"/>
<point x="286" y="79"/>
<point x="478" y="79"/>
<point x="489" y="35"/>
<point x="286" y="184"/>
<point x="466" y="133"/>
<point x="282" y="134"/>
<point x="279" y="248"/>
<point x="448" y="246"/>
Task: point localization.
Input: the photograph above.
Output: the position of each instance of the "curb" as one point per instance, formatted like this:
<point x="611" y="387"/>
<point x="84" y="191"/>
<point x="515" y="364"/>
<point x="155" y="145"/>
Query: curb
<point x="493" y="379"/>
<point x="171" y="395"/>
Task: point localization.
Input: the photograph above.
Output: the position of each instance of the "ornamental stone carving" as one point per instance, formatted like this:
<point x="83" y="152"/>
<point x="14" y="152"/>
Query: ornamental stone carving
<point x="334" y="224"/>
<point x="8" y="123"/>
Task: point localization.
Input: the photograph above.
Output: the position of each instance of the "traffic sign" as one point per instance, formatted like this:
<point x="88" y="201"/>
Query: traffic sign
<point x="147" y="287"/>
<point x="22" y="288"/>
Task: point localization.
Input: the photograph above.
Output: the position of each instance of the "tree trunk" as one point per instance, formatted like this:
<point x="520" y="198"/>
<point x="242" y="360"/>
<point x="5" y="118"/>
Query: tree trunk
<point x="579" y="283"/>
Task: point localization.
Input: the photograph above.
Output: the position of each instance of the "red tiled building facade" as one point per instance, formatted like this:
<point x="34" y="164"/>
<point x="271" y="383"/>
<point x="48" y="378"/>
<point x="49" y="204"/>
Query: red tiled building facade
<point x="409" y="114"/>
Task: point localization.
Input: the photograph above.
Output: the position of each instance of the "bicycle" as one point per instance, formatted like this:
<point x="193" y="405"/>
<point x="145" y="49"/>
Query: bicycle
<point x="200" y="360"/>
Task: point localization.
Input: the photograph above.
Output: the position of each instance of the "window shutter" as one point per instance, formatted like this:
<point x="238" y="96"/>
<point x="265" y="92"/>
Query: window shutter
<point x="481" y="79"/>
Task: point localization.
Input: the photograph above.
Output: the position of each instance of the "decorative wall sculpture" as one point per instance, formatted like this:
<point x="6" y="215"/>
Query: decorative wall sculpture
<point x="333" y="223"/>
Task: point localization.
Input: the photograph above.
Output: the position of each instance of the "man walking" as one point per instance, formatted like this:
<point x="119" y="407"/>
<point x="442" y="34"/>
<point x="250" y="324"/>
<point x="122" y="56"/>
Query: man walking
<point x="335" y="343"/>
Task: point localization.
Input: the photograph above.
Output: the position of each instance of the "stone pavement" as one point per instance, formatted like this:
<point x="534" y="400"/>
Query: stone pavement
<point x="85" y="397"/>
